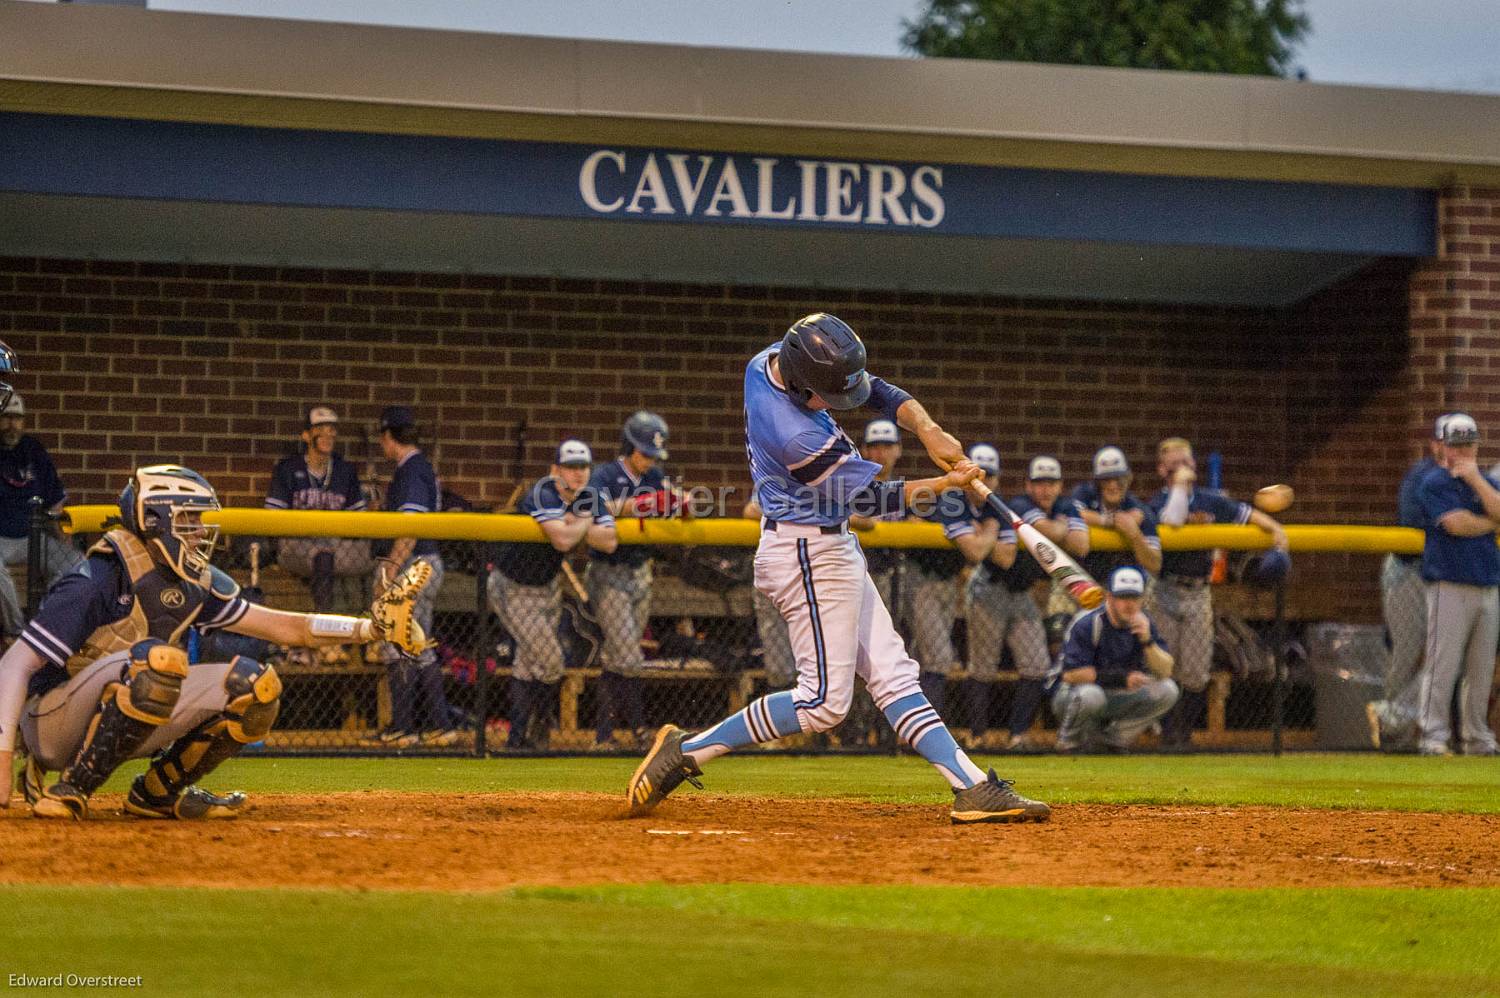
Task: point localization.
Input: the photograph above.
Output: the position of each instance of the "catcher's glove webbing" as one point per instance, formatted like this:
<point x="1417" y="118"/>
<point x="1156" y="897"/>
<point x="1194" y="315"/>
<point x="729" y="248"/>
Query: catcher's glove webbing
<point x="392" y="611"/>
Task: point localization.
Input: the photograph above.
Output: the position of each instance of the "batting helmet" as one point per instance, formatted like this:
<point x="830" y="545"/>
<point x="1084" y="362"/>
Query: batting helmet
<point x="8" y="362"/>
<point x="157" y="506"/>
<point x="1268" y="568"/>
<point x="647" y="433"/>
<point x="822" y="356"/>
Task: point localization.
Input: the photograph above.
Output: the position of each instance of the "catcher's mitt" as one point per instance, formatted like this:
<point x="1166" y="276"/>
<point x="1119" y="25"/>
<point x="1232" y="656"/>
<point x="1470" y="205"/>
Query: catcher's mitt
<point x="392" y="610"/>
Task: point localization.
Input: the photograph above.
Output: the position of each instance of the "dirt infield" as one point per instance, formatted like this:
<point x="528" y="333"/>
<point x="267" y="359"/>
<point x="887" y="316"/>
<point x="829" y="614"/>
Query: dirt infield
<point x="489" y="841"/>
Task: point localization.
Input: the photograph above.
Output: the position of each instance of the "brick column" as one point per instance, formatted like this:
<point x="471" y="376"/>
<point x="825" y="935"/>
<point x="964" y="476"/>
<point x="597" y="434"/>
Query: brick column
<point x="1455" y="318"/>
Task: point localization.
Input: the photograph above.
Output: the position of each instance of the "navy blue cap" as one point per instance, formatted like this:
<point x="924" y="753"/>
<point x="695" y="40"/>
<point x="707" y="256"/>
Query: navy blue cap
<point x="396" y="417"/>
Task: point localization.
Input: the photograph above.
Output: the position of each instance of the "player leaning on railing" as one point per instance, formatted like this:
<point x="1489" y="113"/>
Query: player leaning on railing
<point x="100" y="676"/>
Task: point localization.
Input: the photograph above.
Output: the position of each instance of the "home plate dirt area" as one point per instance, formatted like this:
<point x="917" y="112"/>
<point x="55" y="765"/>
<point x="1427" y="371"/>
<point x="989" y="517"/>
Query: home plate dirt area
<point x="487" y="841"/>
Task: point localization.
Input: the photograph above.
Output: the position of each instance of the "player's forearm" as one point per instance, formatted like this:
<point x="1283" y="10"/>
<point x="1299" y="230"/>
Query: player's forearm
<point x="567" y="532"/>
<point x="1004" y="554"/>
<point x="974" y="547"/>
<point x="1158" y="660"/>
<point x="1270" y="526"/>
<point x="1055" y="531"/>
<point x="1082" y="674"/>
<point x="1077" y="543"/>
<point x="401" y="549"/>
<point x="304" y="630"/>
<point x="1462" y="523"/>
<point x="17" y="667"/>
<point x="1488" y="497"/>
<point x="1175" y="513"/>
<point x="1146" y="556"/>
<point x="603" y="537"/>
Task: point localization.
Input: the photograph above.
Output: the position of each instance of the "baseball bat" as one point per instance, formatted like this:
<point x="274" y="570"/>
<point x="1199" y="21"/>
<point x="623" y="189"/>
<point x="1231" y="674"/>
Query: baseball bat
<point x="1053" y="559"/>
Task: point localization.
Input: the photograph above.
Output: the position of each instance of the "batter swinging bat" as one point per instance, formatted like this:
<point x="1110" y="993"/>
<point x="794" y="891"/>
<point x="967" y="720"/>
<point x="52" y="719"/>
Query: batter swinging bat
<point x="1063" y="569"/>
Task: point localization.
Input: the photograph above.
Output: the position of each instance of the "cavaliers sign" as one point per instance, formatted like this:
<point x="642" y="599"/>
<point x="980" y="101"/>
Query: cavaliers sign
<point x="709" y="187"/>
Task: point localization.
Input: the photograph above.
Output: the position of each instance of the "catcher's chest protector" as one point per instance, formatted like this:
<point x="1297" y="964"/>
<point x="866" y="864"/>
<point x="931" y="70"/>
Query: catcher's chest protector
<point x="164" y="604"/>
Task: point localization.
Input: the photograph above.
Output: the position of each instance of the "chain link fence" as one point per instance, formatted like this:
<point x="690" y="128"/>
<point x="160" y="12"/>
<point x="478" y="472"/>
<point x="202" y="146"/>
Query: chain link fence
<point x="593" y="656"/>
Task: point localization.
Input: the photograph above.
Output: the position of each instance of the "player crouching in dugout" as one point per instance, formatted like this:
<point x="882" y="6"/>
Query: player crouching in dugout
<point x="100" y="676"/>
<point x="1114" y="670"/>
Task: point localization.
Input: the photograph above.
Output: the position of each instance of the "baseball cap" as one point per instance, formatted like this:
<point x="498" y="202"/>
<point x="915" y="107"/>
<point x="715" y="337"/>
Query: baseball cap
<point x="572" y="453"/>
<point x="1109" y="462"/>
<point x="1044" y="469"/>
<point x="1127" y="581"/>
<point x="1437" y="426"/>
<point x="396" y="417"/>
<point x="1460" y="429"/>
<point x="321" y="415"/>
<point x="882" y="431"/>
<point x="14" y="406"/>
<point x="986" y="457"/>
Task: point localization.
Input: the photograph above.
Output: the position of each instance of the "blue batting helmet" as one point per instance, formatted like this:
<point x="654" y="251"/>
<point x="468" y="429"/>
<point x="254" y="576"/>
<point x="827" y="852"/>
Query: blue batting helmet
<point x="647" y="433"/>
<point x="822" y="356"/>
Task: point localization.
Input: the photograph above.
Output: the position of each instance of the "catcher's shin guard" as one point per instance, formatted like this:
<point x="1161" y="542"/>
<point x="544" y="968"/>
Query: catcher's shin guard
<point x="165" y="790"/>
<point x="130" y="709"/>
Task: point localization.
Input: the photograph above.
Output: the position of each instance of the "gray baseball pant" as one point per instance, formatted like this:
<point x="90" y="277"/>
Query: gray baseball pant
<point x="1088" y="713"/>
<point x="1184" y="616"/>
<point x="531" y="615"/>
<point x="1463" y="624"/>
<point x="996" y="614"/>
<point x="54" y="724"/>
<point x="1403" y="600"/>
<point x="621" y="598"/>
<point x="934" y="605"/>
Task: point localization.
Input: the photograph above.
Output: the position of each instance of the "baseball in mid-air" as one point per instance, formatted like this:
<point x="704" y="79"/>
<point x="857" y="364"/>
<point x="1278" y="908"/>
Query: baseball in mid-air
<point x="1274" y="498"/>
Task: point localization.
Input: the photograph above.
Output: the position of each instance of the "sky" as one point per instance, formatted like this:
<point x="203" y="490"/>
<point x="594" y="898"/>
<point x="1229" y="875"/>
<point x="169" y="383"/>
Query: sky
<point x="1427" y="44"/>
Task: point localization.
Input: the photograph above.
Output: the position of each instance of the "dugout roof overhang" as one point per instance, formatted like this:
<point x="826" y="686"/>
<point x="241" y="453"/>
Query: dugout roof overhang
<point x="153" y="135"/>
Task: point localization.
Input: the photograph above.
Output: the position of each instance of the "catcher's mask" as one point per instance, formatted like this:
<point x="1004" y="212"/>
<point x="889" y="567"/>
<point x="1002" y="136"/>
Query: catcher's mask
<point x="163" y="505"/>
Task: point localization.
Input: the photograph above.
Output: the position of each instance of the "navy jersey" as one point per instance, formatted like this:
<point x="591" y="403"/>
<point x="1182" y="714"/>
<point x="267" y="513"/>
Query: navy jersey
<point x="1218" y="508"/>
<point x="614" y="481"/>
<point x="414" y="489"/>
<point x="803" y="467"/>
<point x="98" y="592"/>
<point x="1100" y="563"/>
<point x="1409" y="511"/>
<point x="1474" y="561"/>
<point x="951" y="511"/>
<point x="295" y="486"/>
<point x="26" y="472"/>
<point x="1094" y="641"/>
<point x="1025" y="572"/>
<point x="538" y="564"/>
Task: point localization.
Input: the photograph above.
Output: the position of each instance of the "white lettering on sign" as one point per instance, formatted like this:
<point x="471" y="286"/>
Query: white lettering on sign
<point x="680" y="184"/>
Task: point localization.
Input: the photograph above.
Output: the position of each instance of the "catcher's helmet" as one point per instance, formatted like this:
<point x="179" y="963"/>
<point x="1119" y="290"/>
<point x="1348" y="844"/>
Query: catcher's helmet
<point x="8" y="362"/>
<point x="647" y="433"/>
<point x="159" y="505"/>
<point x="821" y="355"/>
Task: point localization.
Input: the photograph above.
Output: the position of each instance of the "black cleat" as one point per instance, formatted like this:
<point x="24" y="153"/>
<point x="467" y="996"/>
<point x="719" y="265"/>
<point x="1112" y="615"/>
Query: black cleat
<point x="193" y="804"/>
<point x="995" y="801"/>
<point x="661" y="772"/>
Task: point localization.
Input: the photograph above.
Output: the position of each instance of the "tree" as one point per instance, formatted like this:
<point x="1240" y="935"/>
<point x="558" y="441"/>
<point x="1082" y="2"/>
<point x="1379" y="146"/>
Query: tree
<point x="1208" y="36"/>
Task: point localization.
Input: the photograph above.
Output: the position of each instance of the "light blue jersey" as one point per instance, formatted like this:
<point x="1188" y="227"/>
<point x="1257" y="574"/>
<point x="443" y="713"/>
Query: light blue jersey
<point x="805" y="469"/>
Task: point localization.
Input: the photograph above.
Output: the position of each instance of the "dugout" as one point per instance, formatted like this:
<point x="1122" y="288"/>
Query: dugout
<point x="208" y="222"/>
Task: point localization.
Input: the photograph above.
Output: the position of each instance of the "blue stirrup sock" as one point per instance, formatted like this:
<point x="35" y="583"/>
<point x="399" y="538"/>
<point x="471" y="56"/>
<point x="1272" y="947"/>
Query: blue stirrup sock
<point x="772" y="716"/>
<point x="919" y="726"/>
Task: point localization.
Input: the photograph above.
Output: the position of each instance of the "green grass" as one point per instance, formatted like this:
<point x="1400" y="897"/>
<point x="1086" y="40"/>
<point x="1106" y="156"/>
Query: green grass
<point x="1315" y="781"/>
<point x="766" y="940"/>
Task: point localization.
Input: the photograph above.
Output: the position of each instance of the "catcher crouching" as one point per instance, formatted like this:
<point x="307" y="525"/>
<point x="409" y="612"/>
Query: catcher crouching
<point x="100" y="675"/>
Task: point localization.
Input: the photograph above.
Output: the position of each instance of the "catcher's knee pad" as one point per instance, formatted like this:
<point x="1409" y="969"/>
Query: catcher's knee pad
<point x="152" y="682"/>
<point x="254" y="699"/>
<point x="129" y="710"/>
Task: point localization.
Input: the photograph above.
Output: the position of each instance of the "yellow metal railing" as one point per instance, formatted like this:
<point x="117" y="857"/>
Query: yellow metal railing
<point x="733" y="531"/>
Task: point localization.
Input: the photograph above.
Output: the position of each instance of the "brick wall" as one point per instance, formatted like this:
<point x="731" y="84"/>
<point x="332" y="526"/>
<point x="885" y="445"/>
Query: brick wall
<point x="128" y="363"/>
<point x="1455" y="317"/>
